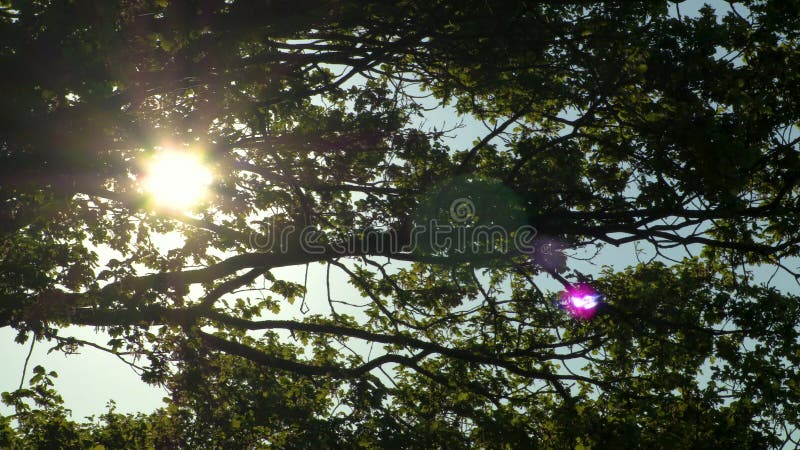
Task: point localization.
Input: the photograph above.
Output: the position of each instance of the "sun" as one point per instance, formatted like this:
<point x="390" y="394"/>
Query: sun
<point x="176" y="180"/>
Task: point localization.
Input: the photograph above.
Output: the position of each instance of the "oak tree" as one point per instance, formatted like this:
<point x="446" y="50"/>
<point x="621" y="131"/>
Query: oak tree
<point x="605" y="125"/>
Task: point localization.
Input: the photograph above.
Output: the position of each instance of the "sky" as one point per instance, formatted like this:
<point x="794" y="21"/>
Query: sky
<point x="87" y="381"/>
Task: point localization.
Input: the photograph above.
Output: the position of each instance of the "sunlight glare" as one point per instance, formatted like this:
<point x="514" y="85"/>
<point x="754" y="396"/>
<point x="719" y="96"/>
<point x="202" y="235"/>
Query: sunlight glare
<point x="176" y="179"/>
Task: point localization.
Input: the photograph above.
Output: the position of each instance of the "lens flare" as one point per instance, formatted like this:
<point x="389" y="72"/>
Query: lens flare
<point x="581" y="301"/>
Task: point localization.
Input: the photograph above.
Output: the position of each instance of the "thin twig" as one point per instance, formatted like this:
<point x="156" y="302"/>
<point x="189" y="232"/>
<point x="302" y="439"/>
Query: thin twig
<point x="27" y="359"/>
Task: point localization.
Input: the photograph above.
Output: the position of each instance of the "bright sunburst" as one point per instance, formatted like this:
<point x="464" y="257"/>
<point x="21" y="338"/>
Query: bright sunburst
<point x="176" y="179"/>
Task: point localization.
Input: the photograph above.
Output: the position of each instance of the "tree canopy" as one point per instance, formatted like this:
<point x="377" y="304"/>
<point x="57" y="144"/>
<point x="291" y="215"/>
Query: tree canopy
<point x="607" y="125"/>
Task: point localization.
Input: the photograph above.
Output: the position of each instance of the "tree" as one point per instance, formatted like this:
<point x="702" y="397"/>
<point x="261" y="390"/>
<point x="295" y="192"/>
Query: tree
<point x="608" y="124"/>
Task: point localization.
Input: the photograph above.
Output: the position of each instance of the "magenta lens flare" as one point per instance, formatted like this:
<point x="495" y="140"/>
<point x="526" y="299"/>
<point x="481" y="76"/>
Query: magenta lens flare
<point x="581" y="301"/>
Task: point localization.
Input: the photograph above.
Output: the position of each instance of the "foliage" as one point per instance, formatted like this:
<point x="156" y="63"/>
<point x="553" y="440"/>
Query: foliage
<point x="608" y="123"/>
